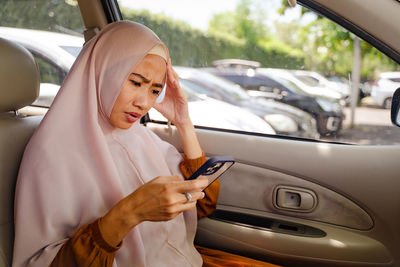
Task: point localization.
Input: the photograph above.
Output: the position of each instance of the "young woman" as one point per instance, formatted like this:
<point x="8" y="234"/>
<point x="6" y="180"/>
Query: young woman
<point x="96" y="188"/>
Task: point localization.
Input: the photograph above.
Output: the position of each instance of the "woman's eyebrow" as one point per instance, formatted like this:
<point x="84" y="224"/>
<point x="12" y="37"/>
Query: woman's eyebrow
<point x="145" y="80"/>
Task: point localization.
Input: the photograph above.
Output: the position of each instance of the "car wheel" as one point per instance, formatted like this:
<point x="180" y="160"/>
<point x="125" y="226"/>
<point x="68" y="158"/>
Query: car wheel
<point x="387" y="104"/>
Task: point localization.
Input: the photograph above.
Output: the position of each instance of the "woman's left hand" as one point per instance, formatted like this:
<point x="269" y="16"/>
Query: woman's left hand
<point x="175" y="105"/>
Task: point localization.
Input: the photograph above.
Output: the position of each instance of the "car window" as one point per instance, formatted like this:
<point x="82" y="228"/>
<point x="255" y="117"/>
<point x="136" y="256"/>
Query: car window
<point x="201" y="90"/>
<point x="73" y="50"/>
<point x="289" y="85"/>
<point x="51" y="30"/>
<point x="256" y="83"/>
<point x="238" y="79"/>
<point x="49" y="72"/>
<point x="308" y="80"/>
<point x="283" y="40"/>
<point x="395" y="80"/>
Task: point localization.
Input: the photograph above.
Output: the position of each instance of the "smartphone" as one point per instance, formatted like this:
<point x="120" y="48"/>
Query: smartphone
<point x="213" y="168"/>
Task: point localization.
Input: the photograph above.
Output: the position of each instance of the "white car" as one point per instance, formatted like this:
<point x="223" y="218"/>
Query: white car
<point x="382" y="92"/>
<point x="310" y="90"/>
<point x="58" y="48"/>
<point x="315" y="79"/>
<point x="209" y="112"/>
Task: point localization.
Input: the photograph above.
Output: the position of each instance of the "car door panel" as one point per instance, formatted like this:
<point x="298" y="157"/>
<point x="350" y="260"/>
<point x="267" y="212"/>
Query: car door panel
<point x="339" y="246"/>
<point x="260" y="193"/>
<point x="357" y="207"/>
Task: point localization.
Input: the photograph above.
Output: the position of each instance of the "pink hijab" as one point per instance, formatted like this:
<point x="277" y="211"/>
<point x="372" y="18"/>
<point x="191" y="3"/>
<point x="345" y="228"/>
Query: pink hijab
<point x="77" y="166"/>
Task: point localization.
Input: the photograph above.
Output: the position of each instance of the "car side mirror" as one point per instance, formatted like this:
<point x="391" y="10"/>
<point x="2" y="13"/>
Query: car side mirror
<point x="395" y="112"/>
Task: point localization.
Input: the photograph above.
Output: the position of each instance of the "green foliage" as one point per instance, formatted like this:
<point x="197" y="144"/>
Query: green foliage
<point x="191" y="47"/>
<point x="243" y="24"/>
<point x="55" y="15"/>
<point x="328" y="48"/>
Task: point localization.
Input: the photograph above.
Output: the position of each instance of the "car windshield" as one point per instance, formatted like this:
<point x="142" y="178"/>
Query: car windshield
<point x="310" y="81"/>
<point x="225" y="85"/>
<point x="73" y="50"/>
<point x="291" y="85"/>
<point x="192" y="95"/>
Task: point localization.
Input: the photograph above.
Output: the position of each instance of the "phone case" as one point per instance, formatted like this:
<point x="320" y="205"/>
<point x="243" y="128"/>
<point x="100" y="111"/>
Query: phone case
<point x="213" y="168"/>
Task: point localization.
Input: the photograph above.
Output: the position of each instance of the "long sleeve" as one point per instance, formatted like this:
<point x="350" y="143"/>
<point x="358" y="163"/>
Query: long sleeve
<point x="86" y="248"/>
<point x="208" y="204"/>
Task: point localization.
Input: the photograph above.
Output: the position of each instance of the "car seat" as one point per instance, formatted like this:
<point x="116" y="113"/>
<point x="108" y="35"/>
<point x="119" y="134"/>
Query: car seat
<point x="19" y="87"/>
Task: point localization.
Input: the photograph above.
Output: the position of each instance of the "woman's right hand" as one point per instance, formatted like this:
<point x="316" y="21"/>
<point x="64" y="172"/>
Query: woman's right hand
<point x="161" y="199"/>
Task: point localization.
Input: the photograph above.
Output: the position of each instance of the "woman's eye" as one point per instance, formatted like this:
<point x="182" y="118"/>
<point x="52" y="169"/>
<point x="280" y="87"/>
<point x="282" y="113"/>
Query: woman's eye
<point x="156" y="92"/>
<point x="135" y="83"/>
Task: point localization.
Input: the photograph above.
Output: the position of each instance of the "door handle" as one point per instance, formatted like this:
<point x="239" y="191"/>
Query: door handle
<point x="294" y="199"/>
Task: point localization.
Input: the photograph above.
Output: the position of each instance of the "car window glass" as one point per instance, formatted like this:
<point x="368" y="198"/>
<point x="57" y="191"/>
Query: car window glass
<point x="228" y="87"/>
<point x="201" y="90"/>
<point x="308" y="80"/>
<point x="49" y="73"/>
<point x="256" y="82"/>
<point x="51" y="30"/>
<point x="289" y="85"/>
<point x="280" y="39"/>
<point x="73" y="50"/>
<point x="238" y="79"/>
<point x="293" y="47"/>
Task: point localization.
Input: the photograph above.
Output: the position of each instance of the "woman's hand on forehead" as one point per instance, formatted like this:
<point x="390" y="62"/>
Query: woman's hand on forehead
<point x="175" y="105"/>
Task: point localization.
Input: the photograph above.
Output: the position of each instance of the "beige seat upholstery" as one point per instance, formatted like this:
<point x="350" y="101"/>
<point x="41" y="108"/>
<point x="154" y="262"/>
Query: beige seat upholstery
<point x="19" y="86"/>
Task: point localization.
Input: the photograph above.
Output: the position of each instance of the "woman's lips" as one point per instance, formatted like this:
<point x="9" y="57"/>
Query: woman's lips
<point x="132" y="116"/>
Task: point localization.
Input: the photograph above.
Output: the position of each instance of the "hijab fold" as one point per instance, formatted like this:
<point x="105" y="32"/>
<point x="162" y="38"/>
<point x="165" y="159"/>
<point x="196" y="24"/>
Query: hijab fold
<point x="77" y="166"/>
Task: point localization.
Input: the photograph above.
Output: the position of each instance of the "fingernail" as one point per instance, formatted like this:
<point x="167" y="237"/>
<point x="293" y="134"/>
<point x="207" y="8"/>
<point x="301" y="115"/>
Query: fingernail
<point x="202" y="195"/>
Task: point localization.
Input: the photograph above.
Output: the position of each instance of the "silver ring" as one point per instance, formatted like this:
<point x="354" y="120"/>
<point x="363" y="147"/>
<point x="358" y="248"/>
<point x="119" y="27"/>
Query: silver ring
<point x="188" y="196"/>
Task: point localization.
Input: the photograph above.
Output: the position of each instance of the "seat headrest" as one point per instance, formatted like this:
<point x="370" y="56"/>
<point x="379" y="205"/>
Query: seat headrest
<point x="19" y="77"/>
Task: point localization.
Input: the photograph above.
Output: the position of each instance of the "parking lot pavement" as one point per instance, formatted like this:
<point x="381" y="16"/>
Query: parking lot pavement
<point x="368" y="116"/>
<point x="372" y="127"/>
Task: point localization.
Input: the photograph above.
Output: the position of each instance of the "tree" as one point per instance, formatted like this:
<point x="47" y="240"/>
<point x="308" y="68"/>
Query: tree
<point x="243" y="24"/>
<point x="191" y="47"/>
<point x="328" y="48"/>
<point x="246" y="25"/>
<point x="55" y="15"/>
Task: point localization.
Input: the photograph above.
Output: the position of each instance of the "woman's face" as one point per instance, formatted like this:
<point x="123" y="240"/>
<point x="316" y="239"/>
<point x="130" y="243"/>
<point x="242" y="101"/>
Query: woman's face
<point x="139" y="91"/>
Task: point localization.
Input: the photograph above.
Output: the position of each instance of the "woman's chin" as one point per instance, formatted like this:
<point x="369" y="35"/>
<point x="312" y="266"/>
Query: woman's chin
<point x="124" y="125"/>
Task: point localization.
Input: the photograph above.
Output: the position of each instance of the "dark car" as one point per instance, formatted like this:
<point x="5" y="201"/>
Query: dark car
<point x="285" y="119"/>
<point x="328" y="114"/>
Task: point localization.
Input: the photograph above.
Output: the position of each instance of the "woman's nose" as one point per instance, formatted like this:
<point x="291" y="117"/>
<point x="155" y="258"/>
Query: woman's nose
<point x="141" y="99"/>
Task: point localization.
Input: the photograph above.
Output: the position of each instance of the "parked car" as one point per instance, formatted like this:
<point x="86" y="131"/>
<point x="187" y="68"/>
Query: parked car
<point x="384" y="88"/>
<point x="328" y="114"/>
<point x="285" y="119"/>
<point x="315" y="79"/>
<point x="364" y="88"/>
<point x="316" y="91"/>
